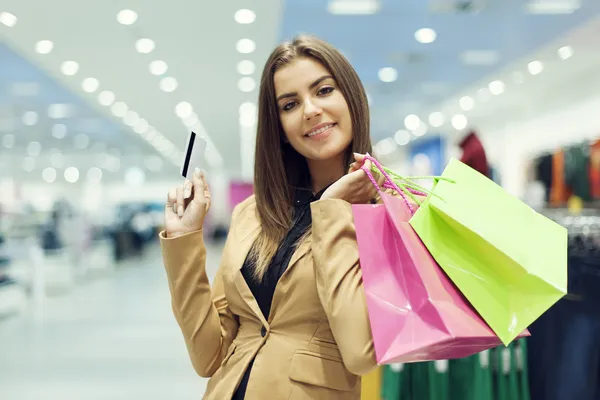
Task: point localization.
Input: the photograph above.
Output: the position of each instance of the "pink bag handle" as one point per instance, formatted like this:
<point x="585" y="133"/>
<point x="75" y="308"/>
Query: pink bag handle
<point x="389" y="183"/>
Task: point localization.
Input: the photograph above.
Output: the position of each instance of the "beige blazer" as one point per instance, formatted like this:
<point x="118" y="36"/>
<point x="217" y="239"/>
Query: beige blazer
<point x="317" y="341"/>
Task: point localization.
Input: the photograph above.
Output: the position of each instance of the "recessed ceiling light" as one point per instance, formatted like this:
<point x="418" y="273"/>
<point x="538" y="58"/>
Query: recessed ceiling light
<point x="555" y="7"/>
<point x="59" y="110"/>
<point x="168" y="84"/>
<point x="106" y="97"/>
<point x="8" y="141"/>
<point x="59" y="131"/>
<point x="131" y="118"/>
<point x="565" y="52"/>
<point x="119" y="109"/>
<point x="127" y="17"/>
<point x="94" y="175"/>
<point x="30" y="118"/>
<point x="484" y="95"/>
<point x="158" y="67"/>
<point x="248" y="120"/>
<point x="497" y="87"/>
<point x="69" y="68"/>
<point x="71" y="174"/>
<point x="246" y="84"/>
<point x="49" y="174"/>
<point x="386" y="146"/>
<point x="402" y="137"/>
<point x="480" y="57"/>
<point x="425" y="35"/>
<point x="436" y="119"/>
<point x="81" y="141"/>
<point x="246" y="67"/>
<point x="184" y="109"/>
<point x="535" y="67"/>
<point x="8" y="19"/>
<point x="247" y="108"/>
<point x="144" y="45"/>
<point x="387" y="74"/>
<point x="459" y="122"/>
<point x="191" y="120"/>
<point x="245" y="46"/>
<point x="90" y="85"/>
<point x="466" y="103"/>
<point x="353" y="7"/>
<point x="44" y="46"/>
<point x="412" y="122"/>
<point x="244" y="16"/>
<point x="141" y="127"/>
<point x="34" y="149"/>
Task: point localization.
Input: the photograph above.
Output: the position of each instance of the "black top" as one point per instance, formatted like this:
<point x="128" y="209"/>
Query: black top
<point x="264" y="290"/>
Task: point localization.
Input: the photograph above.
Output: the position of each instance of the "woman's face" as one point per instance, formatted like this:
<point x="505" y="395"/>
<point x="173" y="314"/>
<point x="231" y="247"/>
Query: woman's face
<point x="313" y="112"/>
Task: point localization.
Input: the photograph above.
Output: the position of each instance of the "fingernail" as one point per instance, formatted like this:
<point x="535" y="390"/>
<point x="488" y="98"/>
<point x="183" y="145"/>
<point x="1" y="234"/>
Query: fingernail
<point x="174" y="208"/>
<point x="197" y="172"/>
<point x="180" y="211"/>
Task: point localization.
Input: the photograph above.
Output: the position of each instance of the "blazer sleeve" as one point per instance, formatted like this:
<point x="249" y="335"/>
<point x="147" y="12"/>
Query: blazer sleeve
<point x="339" y="282"/>
<point x="202" y="312"/>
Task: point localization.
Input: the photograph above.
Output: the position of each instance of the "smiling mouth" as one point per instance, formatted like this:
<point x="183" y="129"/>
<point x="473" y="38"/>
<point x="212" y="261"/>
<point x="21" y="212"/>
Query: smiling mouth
<point x="320" y="131"/>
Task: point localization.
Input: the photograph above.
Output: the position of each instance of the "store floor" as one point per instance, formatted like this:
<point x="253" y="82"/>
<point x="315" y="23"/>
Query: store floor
<point x="111" y="338"/>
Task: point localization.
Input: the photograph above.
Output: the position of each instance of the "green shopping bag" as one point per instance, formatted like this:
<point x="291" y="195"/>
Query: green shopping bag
<point x="509" y="261"/>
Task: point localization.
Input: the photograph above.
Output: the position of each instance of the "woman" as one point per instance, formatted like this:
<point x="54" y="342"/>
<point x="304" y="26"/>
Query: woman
<point x="286" y="316"/>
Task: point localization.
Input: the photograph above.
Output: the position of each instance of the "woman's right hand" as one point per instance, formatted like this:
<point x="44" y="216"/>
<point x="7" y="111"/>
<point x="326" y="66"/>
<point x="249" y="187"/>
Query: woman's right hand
<point x="187" y="206"/>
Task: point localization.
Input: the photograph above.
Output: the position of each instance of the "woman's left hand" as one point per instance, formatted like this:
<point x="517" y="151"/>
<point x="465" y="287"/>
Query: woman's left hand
<point x="355" y="187"/>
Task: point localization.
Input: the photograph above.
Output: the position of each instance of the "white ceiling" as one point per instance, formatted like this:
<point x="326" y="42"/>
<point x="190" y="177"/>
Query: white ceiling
<point x="197" y="43"/>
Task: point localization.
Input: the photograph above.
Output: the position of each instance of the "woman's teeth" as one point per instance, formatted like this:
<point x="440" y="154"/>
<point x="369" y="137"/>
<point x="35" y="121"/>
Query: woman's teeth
<point x="320" y="130"/>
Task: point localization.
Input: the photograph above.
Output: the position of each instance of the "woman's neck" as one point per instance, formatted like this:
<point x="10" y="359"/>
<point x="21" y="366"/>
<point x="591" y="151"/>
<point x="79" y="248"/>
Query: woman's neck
<point x="325" y="172"/>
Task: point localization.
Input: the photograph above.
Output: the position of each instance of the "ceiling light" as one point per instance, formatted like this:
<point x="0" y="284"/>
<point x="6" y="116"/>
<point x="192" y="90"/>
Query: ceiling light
<point x="248" y="120"/>
<point x="106" y="97"/>
<point x="565" y="52"/>
<point x="245" y="46"/>
<point x="518" y="77"/>
<point x="144" y="45"/>
<point x="459" y="122"/>
<point x="34" y="149"/>
<point x="30" y="118"/>
<point x="412" y="122"/>
<point x="246" y="67"/>
<point x="119" y="109"/>
<point x="69" y="68"/>
<point x="184" y="109"/>
<point x="480" y="57"/>
<point x="436" y="119"/>
<point x="425" y="35"/>
<point x="467" y="103"/>
<point x="402" y="137"/>
<point x="59" y="131"/>
<point x="127" y="17"/>
<point x="484" y="95"/>
<point x="94" y="175"/>
<point x="49" y="174"/>
<point x="353" y="7"/>
<point x="81" y="141"/>
<point x="244" y="16"/>
<point x="131" y="118"/>
<point x="168" y="84"/>
<point x="141" y="127"/>
<point x="44" y="46"/>
<point x="158" y="67"/>
<point x="8" y="141"/>
<point x="387" y="74"/>
<point x="497" y="87"/>
<point x="553" y="7"/>
<point x="8" y="19"/>
<point x="90" y="85"/>
<point x="386" y="146"/>
<point x="191" y="120"/>
<point x="247" y="108"/>
<point x="421" y="130"/>
<point x="535" y="67"/>
<point x="135" y="176"/>
<point x="246" y="84"/>
<point x="57" y="160"/>
<point x="59" y="110"/>
<point x="28" y="164"/>
<point x="71" y="174"/>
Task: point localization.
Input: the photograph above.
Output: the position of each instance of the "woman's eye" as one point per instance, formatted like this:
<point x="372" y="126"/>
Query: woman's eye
<point x="325" y="90"/>
<point x="288" y="106"/>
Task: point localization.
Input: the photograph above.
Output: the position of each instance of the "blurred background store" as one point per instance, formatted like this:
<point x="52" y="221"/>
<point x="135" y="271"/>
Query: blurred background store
<point x="97" y="99"/>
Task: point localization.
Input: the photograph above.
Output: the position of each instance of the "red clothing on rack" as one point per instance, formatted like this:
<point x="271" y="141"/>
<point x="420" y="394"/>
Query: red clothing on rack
<point x="474" y="154"/>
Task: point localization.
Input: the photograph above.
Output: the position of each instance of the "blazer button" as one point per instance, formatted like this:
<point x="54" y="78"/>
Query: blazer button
<point x="263" y="331"/>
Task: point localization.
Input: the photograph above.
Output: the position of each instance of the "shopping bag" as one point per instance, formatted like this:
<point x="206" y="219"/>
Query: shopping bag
<point x="509" y="261"/>
<point x="415" y="312"/>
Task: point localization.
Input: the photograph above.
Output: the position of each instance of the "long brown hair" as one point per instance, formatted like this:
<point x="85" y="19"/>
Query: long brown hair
<point x="278" y="168"/>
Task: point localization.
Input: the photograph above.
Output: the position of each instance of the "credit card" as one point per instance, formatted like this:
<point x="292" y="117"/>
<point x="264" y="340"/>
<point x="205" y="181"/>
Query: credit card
<point x="194" y="155"/>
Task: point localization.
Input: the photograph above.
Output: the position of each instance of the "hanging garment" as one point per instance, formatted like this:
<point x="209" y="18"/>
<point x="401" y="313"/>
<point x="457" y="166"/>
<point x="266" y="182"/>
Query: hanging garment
<point x="559" y="194"/>
<point x="594" y="170"/>
<point x="544" y="172"/>
<point x="474" y="154"/>
<point x="576" y="171"/>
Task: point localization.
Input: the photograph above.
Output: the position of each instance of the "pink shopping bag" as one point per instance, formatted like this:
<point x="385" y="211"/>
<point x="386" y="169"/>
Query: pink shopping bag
<point x="416" y="312"/>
